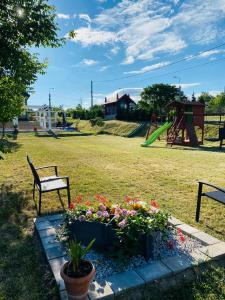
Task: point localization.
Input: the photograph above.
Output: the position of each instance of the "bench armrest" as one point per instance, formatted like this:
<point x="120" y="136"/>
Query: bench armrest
<point x="57" y="178"/>
<point x="212" y="185"/>
<point x="48" y="167"/>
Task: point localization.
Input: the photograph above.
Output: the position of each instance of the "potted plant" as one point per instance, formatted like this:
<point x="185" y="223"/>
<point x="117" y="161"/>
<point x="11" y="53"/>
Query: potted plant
<point x="78" y="272"/>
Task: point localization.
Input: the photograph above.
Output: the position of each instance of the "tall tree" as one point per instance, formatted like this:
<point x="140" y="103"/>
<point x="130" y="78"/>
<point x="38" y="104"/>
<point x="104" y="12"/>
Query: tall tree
<point x="23" y="24"/>
<point x="205" y="98"/>
<point x="11" y="98"/>
<point x="157" y="96"/>
<point x="217" y="104"/>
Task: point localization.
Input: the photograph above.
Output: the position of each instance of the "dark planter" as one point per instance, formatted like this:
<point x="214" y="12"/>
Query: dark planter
<point x="105" y="237"/>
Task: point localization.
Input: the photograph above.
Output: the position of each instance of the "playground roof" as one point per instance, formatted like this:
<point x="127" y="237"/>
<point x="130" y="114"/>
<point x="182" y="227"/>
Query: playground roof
<point x="185" y="103"/>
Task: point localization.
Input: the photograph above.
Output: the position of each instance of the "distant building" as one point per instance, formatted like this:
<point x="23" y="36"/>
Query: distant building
<point x="113" y="106"/>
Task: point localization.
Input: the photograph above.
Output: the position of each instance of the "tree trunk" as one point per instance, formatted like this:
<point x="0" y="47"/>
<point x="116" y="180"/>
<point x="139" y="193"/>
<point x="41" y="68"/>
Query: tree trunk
<point x="3" y="130"/>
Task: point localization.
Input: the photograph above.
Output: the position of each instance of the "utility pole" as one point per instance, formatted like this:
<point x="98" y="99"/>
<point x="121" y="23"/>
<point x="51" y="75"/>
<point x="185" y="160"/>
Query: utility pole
<point x="91" y="93"/>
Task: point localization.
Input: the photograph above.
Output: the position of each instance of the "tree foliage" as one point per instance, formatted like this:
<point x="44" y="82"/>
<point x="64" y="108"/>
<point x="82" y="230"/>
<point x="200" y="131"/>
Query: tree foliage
<point x="23" y="24"/>
<point x="157" y="96"/>
<point x="11" y="99"/>
<point x="205" y="98"/>
<point x="217" y="104"/>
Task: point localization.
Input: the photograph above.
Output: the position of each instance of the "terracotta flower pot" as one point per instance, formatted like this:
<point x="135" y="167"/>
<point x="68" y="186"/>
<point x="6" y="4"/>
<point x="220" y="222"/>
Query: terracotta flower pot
<point x="77" y="288"/>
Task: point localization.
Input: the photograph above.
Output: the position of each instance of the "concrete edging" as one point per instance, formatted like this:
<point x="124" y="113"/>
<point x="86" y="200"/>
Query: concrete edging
<point x="164" y="273"/>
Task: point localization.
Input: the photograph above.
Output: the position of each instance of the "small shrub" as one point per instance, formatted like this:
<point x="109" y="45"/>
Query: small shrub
<point x="97" y="122"/>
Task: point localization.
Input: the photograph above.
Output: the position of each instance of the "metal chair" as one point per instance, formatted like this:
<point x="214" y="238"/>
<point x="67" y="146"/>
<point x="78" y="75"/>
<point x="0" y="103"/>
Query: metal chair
<point x="218" y="194"/>
<point x="48" y="184"/>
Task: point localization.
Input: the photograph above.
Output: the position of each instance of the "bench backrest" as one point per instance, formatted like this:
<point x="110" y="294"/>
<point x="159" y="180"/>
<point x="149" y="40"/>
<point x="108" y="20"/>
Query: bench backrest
<point x="34" y="172"/>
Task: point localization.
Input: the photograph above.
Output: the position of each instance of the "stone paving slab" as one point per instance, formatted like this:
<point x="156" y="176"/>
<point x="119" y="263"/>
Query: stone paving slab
<point x="54" y="252"/>
<point x="43" y="225"/>
<point x="153" y="271"/>
<point x="214" y="251"/>
<point x="177" y="263"/>
<point x="174" y="221"/>
<point x="47" y="232"/>
<point x="205" y="238"/>
<point x="187" y="229"/>
<point x="126" y="280"/>
<point x="198" y="257"/>
<point x="56" y="265"/>
<point x="100" y="290"/>
<point x="49" y="241"/>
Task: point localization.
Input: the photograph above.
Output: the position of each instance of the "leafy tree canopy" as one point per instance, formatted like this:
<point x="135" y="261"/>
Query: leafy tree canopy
<point x="25" y="23"/>
<point x="157" y="96"/>
<point x="205" y="98"/>
<point x="12" y="98"/>
<point x="217" y="104"/>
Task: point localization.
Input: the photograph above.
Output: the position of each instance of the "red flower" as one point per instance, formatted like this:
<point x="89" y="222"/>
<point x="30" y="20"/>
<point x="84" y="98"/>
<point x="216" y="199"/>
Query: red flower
<point x="182" y="238"/>
<point x="79" y="198"/>
<point x="170" y="245"/>
<point x="154" y="204"/>
<point x="128" y="199"/>
<point x="179" y="231"/>
<point x="72" y="206"/>
<point x="88" y="203"/>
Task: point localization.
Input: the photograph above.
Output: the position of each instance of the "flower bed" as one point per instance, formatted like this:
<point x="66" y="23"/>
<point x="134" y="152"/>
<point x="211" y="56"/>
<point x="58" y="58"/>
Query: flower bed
<point x="130" y="228"/>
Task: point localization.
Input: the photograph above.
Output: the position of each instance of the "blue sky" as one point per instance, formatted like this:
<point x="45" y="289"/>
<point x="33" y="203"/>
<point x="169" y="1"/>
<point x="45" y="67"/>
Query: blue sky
<point x="116" y="39"/>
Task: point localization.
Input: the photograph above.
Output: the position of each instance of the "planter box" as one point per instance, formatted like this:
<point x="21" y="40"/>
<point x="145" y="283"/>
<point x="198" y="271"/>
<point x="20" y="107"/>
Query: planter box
<point x="105" y="237"/>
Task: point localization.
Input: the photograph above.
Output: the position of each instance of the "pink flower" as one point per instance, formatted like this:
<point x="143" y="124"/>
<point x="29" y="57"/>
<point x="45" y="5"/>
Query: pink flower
<point x="99" y="214"/>
<point x="105" y="214"/>
<point x="102" y="207"/>
<point x="154" y="204"/>
<point x="131" y="213"/>
<point x="118" y="211"/>
<point x="124" y="212"/>
<point x="82" y="218"/>
<point x="117" y="216"/>
<point x="122" y="224"/>
<point x="89" y="213"/>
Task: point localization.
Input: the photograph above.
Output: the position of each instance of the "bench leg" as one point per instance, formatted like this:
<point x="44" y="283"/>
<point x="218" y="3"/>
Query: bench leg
<point x="198" y="202"/>
<point x="39" y="209"/>
<point x="34" y="190"/>
<point x="68" y="194"/>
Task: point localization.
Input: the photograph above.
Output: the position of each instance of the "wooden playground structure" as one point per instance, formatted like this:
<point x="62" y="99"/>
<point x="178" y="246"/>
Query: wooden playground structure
<point x="188" y="115"/>
<point x="183" y="118"/>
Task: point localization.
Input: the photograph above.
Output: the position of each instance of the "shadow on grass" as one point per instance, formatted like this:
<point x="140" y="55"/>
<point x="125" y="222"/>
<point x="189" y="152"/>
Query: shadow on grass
<point x="23" y="271"/>
<point x="208" y="284"/>
<point x="7" y="146"/>
<point x="188" y="148"/>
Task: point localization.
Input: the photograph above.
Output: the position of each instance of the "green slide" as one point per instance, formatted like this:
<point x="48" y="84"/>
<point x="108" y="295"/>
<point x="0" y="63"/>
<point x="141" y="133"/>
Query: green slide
<point x="156" y="134"/>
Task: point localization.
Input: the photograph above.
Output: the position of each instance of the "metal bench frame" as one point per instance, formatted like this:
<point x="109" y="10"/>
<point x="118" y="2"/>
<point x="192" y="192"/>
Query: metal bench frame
<point x="37" y="182"/>
<point x="201" y="193"/>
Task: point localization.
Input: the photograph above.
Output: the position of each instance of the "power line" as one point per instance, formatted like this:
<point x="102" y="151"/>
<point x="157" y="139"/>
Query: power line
<point x="181" y="70"/>
<point x="161" y="67"/>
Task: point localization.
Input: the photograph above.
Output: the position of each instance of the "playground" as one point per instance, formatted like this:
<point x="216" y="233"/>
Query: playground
<point x="169" y="175"/>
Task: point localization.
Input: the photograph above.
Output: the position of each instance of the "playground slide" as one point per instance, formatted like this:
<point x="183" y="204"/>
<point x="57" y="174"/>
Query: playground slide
<point x="156" y="134"/>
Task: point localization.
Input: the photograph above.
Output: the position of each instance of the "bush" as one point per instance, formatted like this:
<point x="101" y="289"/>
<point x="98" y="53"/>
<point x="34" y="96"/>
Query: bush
<point x="97" y="122"/>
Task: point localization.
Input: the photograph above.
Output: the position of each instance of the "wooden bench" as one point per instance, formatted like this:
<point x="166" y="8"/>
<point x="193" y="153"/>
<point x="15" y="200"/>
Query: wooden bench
<point x="49" y="183"/>
<point x="218" y="194"/>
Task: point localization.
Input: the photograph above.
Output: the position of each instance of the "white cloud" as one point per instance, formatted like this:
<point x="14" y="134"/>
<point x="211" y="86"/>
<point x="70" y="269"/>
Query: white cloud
<point x="211" y="52"/>
<point x="103" y="68"/>
<point x="149" y="68"/>
<point x="146" y="28"/>
<point x="63" y="16"/>
<point x="187" y="85"/>
<point x="88" y="36"/>
<point x="115" y="50"/>
<point x="85" y="17"/>
<point x="133" y="92"/>
<point x="89" y="62"/>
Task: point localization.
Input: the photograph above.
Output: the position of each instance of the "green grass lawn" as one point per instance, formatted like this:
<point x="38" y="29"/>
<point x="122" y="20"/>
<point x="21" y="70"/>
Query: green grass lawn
<point x="109" y="165"/>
